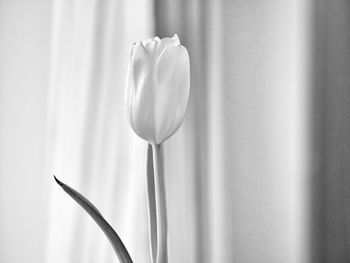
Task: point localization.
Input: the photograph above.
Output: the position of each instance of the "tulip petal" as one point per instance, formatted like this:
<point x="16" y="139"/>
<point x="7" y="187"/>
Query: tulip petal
<point x="144" y="109"/>
<point x="138" y="65"/>
<point x="164" y="43"/>
<point x="151" y="46"/>
<point x="176" y="39"/>
<point x="173" y="85"/>
<point x="158" y="84"/>
<point x="138" y="77"/>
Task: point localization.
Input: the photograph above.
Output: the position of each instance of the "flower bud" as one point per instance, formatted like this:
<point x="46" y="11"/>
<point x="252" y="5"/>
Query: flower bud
<point x="157" y="88"/>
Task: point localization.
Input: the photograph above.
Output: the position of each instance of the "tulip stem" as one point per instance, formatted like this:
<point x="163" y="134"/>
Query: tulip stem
<point x="162" y="224"/>
<point x="151" y="203"/>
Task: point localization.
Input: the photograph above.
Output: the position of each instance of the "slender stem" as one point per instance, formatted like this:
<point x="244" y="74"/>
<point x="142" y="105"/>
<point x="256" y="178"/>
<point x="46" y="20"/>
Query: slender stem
<point x="162" y="227"/>
<point x="151" y="203"/>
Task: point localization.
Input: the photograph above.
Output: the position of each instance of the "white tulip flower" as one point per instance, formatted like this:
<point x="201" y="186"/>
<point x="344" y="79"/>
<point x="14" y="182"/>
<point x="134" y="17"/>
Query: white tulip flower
<point x="157" y="89"/>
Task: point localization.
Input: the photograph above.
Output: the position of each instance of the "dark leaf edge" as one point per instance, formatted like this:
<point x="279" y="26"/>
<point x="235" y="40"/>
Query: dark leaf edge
<point x="117" y="244"/>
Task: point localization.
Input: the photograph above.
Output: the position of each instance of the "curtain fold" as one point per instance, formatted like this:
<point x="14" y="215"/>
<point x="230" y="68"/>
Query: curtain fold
<point x="245" y="131"/>
<point x="90" y="144"/>
<point x="258" y="170"/>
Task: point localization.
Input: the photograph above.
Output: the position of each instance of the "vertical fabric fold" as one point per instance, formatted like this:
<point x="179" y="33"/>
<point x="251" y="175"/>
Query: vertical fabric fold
<point x="90" y="144"/>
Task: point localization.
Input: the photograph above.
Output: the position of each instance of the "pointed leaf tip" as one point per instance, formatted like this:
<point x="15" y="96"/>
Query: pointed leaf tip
<point x="114" y="239"/>
<point x="58" y="181"/>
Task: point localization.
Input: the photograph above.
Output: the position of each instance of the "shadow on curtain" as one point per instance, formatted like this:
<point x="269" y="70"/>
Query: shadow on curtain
<point x="331" y="131"/>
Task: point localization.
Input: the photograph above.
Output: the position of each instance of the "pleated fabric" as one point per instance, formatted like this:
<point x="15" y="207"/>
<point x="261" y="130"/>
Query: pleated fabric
<point x="91" y="147"/>
<point x="245" y="173"/>
<point x="256" y="173"/>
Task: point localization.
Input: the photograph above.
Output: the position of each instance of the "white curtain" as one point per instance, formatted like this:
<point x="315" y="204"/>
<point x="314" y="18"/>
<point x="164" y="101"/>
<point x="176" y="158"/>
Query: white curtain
<point x="234" y="172"/>
<point x="257" y="171"/>
<point x="246" y="130"/>
<point x="90" y="144"/>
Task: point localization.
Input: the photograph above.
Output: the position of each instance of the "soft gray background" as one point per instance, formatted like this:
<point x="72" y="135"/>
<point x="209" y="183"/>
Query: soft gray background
<point x="257" y="173"/>
<point x="25" y="28"/>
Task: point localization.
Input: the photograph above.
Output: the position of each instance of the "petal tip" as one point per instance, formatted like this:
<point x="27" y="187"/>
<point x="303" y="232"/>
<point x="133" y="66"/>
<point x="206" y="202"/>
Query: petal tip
<point x="176" y="39"/>
<point x="141" y="44"/>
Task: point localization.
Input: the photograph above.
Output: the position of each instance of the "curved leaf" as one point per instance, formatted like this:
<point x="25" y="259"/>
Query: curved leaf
<point x="114" y="239"/>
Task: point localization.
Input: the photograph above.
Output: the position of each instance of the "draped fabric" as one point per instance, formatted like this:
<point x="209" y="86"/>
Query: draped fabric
<point x="256" y="173"/>
<point x="245" y="132"/>
<point x="90" y="144"/>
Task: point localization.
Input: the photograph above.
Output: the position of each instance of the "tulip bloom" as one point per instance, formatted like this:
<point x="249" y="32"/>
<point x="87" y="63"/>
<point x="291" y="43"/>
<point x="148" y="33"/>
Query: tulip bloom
<point x="158" y="86"/>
